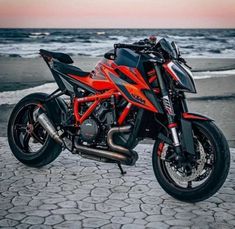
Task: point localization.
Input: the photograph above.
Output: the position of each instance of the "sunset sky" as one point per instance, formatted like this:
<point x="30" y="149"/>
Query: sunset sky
<point x="117" y="13"/>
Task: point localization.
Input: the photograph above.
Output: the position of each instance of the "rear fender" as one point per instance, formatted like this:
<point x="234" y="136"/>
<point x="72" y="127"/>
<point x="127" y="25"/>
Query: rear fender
<point x="62" y="110"/>
<point x="55" y="108"/>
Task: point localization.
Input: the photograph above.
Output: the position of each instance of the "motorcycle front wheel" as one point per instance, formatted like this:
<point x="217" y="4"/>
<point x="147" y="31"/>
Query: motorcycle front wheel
<point x="197" y="178"/>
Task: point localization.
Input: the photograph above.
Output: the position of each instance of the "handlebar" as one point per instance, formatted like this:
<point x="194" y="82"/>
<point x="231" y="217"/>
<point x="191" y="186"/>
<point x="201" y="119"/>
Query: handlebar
<point x="132" y="46"/>
<point x="138" y="47"/>
<point x="162" y="50"/>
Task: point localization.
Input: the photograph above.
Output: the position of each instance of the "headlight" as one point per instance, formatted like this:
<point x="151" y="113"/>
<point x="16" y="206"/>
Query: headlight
<point x="181" y="75"/>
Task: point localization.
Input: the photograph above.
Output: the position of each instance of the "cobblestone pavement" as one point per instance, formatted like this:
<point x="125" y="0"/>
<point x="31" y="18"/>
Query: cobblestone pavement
<point x="78" y="193"/>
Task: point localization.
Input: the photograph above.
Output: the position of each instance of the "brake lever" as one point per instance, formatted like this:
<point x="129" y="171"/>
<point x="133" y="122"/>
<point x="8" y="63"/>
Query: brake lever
<point x="184" y="62"/>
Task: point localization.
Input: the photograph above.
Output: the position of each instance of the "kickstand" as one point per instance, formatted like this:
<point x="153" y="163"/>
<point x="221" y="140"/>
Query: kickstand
<point x="121" y="169"/>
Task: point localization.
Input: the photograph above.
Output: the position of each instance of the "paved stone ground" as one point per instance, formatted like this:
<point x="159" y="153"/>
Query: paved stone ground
<point x="78" y="193"/>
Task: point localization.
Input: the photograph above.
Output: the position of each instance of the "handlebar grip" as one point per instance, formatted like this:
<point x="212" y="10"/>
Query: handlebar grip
<point x="131" y="46"/>
<point x="122" y="46"/>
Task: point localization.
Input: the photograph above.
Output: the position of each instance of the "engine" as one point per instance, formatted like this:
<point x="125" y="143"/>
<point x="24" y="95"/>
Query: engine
<point x="94" y="129"/>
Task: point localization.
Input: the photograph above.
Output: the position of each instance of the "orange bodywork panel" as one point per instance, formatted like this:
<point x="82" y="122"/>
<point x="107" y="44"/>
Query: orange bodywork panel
<point x="97" y="84"/>
<point x="107" y="81"/>
<point x="133" y="93"/>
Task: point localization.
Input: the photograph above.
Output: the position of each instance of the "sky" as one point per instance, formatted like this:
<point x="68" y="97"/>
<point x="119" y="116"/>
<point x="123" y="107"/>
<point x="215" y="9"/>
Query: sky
<point x="117" y="13"/>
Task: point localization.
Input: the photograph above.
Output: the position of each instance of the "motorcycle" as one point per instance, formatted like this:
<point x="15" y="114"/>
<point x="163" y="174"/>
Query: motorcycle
<point x="136" y="91"/>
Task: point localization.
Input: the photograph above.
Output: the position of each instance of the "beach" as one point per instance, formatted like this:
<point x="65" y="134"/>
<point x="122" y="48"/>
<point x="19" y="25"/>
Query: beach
<point x="215" y="98"/>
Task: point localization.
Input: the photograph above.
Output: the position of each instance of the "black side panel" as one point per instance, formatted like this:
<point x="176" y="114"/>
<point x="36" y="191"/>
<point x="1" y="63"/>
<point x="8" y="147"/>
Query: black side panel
<point x="69" y="69"/>
<point x="149" y="128"/>
<point x="61" y="78"/>
<point x="136" y="129"/>
<point x="58" y="79"/>
<point x="145" y="127"/>
<point x="154" y="100"/>
<point x="120" y="83"/>
<point x="124" y="77"/>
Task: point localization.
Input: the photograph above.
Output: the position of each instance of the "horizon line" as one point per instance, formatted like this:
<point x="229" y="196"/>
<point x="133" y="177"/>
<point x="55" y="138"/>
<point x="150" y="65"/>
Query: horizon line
<point x="106" y="28"/>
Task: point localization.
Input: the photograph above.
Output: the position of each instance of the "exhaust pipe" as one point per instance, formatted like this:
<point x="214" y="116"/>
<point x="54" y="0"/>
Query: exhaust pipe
<point x="122" y="155"/>
<point x="112" y="145"/>
<point x="100" y="153"/>
<point x="45" y="122"/>
<point x="118" y="153"/>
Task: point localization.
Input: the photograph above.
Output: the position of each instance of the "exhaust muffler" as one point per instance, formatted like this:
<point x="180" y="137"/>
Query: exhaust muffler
<point x="45" y="122"/>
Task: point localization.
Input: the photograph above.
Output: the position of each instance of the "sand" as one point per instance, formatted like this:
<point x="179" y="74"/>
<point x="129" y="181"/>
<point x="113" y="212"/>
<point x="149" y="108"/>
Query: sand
<point x="25" y="71"/>
<point x="215" y="98"/>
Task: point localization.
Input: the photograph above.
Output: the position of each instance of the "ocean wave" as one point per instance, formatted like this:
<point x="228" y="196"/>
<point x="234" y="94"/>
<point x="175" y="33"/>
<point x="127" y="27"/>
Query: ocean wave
<point x="177" y="37"/>
<point x="101" y="33"/>
<point x="94" y="42"/>
<point x="40" y="33"/>
<point x="215" y="51"/>
<point x="214" y="74"/>
<point x="13" y="97"/>
<point x="223" y="40"/>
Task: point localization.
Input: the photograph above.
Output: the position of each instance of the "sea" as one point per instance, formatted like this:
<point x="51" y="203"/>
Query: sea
<point x="26" y="43"/>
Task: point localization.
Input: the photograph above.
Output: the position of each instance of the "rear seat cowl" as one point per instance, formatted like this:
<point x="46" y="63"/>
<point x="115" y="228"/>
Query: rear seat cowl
<point x="70" y="69"/>
<point x="62" y="57"/>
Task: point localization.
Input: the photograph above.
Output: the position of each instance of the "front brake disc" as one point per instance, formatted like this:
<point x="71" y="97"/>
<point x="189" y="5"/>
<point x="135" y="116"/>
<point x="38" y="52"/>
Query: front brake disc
<point x="181" y="177"/>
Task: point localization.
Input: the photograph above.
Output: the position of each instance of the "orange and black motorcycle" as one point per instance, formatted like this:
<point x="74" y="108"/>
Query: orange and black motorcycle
<point x="136" y="91"/>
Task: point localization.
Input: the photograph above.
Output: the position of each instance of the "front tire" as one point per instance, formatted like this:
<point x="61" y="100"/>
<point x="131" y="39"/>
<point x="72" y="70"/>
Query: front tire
<point x="28" y="141"/>
<point x="212" y="176"/>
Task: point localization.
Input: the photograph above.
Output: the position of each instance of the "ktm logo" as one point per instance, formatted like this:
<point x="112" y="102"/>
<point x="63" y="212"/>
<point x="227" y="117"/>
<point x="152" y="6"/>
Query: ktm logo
<point x="139" y="99"/>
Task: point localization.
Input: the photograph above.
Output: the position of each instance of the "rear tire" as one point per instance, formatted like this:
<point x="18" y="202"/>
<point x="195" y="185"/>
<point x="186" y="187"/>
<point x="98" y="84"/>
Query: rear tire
<point x="49" y="150"/>
<point x="215" y="179"/>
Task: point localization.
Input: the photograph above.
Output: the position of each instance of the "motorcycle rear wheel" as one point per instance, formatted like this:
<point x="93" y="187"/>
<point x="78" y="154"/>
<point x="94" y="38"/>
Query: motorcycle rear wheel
<point x="214" y="154"/>
<point x="28" y="141"/>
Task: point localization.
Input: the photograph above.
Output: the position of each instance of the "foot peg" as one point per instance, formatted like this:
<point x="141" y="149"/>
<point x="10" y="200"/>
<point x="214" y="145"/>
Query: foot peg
<point x="121" y="169"/>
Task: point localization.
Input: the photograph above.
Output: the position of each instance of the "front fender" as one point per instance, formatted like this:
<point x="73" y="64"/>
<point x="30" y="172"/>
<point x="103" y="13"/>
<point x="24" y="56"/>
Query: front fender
<point x="186" y="128"/>
<point x="195" y="116"/>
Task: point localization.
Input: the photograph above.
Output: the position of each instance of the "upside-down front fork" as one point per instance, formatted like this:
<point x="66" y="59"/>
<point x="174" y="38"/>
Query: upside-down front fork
<point x="171" y="123"/>
<point x="169" y="111"/>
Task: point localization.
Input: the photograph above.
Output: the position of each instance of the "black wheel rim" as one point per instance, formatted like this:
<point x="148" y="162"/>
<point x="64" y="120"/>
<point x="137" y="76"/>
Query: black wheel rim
<point x="207" y="144"/>
<point x="29" y="136"/>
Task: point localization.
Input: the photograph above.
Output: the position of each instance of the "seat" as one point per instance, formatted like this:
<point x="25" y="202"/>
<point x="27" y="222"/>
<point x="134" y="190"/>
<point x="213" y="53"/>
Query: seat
<point x="69" y="69"/>
<point x="62" y="57"/>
